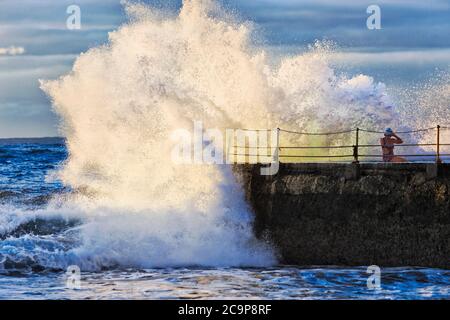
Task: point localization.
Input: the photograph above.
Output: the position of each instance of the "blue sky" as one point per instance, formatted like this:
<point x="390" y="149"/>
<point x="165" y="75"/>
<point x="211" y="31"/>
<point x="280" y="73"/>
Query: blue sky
<point x="413" y="43"/>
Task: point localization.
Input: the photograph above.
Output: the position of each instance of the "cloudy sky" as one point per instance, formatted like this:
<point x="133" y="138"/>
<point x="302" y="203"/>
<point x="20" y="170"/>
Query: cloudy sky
<point x="413" y="44"/>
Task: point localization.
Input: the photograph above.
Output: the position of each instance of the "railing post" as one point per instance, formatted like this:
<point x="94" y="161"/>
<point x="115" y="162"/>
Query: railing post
<point x="438" y="145"/>
<point x="356" y="147"/>
<point x="276" y="156"/>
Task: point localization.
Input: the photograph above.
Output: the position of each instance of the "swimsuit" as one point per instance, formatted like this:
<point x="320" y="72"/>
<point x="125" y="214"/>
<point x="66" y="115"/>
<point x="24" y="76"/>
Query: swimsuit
<point x="389" y="156"/>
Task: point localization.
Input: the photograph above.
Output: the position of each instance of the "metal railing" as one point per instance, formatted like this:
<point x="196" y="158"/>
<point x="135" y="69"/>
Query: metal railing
<point x="291" y="152"/>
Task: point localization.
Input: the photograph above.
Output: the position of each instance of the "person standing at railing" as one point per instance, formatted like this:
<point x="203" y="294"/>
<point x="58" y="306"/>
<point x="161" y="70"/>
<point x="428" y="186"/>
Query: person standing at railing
<point x="388" y="143"/>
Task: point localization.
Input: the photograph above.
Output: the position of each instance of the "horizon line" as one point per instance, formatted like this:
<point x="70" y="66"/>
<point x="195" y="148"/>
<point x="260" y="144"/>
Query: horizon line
<point x="45" y="137"/>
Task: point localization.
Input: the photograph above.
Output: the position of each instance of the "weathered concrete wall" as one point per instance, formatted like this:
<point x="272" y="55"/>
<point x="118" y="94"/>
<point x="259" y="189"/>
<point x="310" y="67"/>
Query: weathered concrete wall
<point x="333" y="214"/>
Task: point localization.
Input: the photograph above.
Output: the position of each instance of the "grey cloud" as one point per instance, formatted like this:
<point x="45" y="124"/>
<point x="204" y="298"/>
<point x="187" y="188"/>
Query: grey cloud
<point x="405" y="23"/>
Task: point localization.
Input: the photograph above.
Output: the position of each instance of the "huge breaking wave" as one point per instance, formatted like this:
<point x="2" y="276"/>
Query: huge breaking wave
<point x="131" y="205"/>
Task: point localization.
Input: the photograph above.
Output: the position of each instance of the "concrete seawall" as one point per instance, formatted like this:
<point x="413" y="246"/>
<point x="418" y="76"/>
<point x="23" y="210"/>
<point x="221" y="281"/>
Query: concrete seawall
<point x="346" y="214"/>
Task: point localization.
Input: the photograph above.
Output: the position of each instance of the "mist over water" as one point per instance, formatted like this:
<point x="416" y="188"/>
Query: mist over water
<point x="131" y="205"/>
<point x="426" y="105"/>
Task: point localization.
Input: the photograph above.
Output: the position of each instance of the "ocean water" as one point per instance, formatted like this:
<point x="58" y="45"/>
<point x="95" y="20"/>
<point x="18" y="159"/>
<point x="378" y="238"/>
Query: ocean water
<point x="35" y="252"/>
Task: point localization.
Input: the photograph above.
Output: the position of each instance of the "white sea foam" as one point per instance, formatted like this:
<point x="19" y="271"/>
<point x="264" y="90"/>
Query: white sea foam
<point x="159" y="73"/>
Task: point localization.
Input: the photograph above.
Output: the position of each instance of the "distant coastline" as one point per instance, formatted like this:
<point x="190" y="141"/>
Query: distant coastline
<point x="44" y="140"/>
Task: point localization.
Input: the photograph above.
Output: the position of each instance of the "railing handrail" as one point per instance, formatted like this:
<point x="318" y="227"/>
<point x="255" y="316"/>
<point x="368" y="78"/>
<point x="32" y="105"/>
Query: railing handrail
<point x="342" y="132"/>
<point x="318" y="133"/>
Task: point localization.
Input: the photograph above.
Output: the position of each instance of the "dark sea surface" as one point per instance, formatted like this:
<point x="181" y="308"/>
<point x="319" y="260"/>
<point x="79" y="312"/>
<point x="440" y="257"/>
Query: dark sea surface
<point x="32" y="252"/>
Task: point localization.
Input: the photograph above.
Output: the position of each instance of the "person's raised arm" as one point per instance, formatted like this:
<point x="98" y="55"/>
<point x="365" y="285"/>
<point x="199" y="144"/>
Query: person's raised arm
<point x="398" y="140"/>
